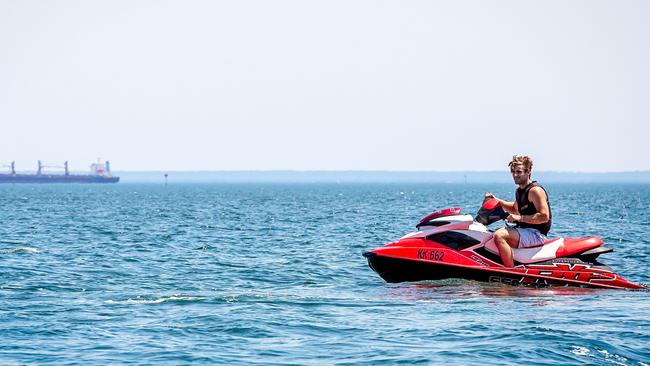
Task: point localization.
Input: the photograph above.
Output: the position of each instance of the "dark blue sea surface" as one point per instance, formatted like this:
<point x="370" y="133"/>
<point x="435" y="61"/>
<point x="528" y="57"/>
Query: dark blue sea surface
<point x="273" y="274"/>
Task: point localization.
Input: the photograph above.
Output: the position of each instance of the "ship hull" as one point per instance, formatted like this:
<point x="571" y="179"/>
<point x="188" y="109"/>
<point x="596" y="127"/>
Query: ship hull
<point x="55" y="178"/>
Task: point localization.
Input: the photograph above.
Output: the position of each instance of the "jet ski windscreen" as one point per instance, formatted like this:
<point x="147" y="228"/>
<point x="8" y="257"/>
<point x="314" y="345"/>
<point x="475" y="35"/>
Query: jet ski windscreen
<point x="490" y="212"/>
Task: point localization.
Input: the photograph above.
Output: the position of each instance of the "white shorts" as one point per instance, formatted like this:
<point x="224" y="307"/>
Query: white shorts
<point x="529" y="237"/>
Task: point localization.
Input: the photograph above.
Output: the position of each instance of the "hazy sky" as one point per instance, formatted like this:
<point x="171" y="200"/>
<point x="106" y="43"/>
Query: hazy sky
<point x="326" y="85"/>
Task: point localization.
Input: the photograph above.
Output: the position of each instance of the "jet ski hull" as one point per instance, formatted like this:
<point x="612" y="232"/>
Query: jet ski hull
<point x="450" y="245"/>
<point x="567" y="272"/>
<point x="394" y="270"/>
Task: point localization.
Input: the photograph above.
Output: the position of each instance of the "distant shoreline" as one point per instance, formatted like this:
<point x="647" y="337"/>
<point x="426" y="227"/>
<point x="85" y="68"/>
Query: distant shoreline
<point x="288" y="176"/>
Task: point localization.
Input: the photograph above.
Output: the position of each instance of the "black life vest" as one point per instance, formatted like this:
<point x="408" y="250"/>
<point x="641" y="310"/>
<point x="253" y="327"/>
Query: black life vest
<point x="528" y="208"/>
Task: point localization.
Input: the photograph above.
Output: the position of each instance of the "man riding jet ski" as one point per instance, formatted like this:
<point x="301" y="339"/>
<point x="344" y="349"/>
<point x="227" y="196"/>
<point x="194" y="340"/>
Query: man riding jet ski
<point x="531" y="211"/>
<point x="449" y="244"/>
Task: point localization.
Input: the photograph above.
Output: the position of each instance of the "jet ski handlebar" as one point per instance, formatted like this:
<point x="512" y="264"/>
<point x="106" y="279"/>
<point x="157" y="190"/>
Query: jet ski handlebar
<point x="491" y="211"/>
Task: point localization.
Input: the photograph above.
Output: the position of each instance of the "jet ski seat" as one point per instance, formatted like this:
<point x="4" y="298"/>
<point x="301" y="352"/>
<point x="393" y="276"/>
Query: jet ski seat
<point x="551" y="249"/>
<point x="578" y="245"/>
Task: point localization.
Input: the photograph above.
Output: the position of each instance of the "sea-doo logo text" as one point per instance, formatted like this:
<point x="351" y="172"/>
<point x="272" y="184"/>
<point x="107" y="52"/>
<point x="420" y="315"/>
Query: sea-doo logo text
<point x="505" y="280"/>
<point x="479" y="260"/>
<point x="526" y="281"/>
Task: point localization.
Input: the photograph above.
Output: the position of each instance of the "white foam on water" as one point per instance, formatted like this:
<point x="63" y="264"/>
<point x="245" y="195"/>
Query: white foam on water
<point x="159" y="300"/>
<point x="580" y="351"/>
<point x="29" y="250"/>
<point x="25" y="250"/>
<point x="613" y="358"/>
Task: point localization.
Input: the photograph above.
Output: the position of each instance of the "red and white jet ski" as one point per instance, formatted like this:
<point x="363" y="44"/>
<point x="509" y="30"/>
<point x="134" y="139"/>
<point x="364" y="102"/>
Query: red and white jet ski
<point x="449" y="244"/>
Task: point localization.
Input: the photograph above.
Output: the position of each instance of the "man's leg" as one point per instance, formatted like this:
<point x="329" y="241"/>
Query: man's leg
<point x="506" y="239"/>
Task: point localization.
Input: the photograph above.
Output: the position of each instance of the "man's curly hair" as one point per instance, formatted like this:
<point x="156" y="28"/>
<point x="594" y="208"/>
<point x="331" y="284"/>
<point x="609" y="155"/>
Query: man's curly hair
<point x="522" y="160"/>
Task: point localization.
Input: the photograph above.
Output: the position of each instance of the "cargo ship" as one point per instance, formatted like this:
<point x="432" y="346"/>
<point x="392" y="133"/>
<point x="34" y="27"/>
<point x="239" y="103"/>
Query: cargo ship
<point x="99" y="173"/>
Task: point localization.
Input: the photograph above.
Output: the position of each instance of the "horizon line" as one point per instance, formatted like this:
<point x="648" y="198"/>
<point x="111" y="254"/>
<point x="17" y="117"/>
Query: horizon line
<point x="367" y="171"/>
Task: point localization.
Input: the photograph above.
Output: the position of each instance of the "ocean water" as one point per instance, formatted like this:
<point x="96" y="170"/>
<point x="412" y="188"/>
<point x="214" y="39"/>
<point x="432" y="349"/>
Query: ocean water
<point x="273" y="274"/>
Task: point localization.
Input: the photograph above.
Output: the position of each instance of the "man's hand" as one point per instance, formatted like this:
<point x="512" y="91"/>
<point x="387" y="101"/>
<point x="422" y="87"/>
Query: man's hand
<point x="513" y="218"/>
<point x="489" y="195"/>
